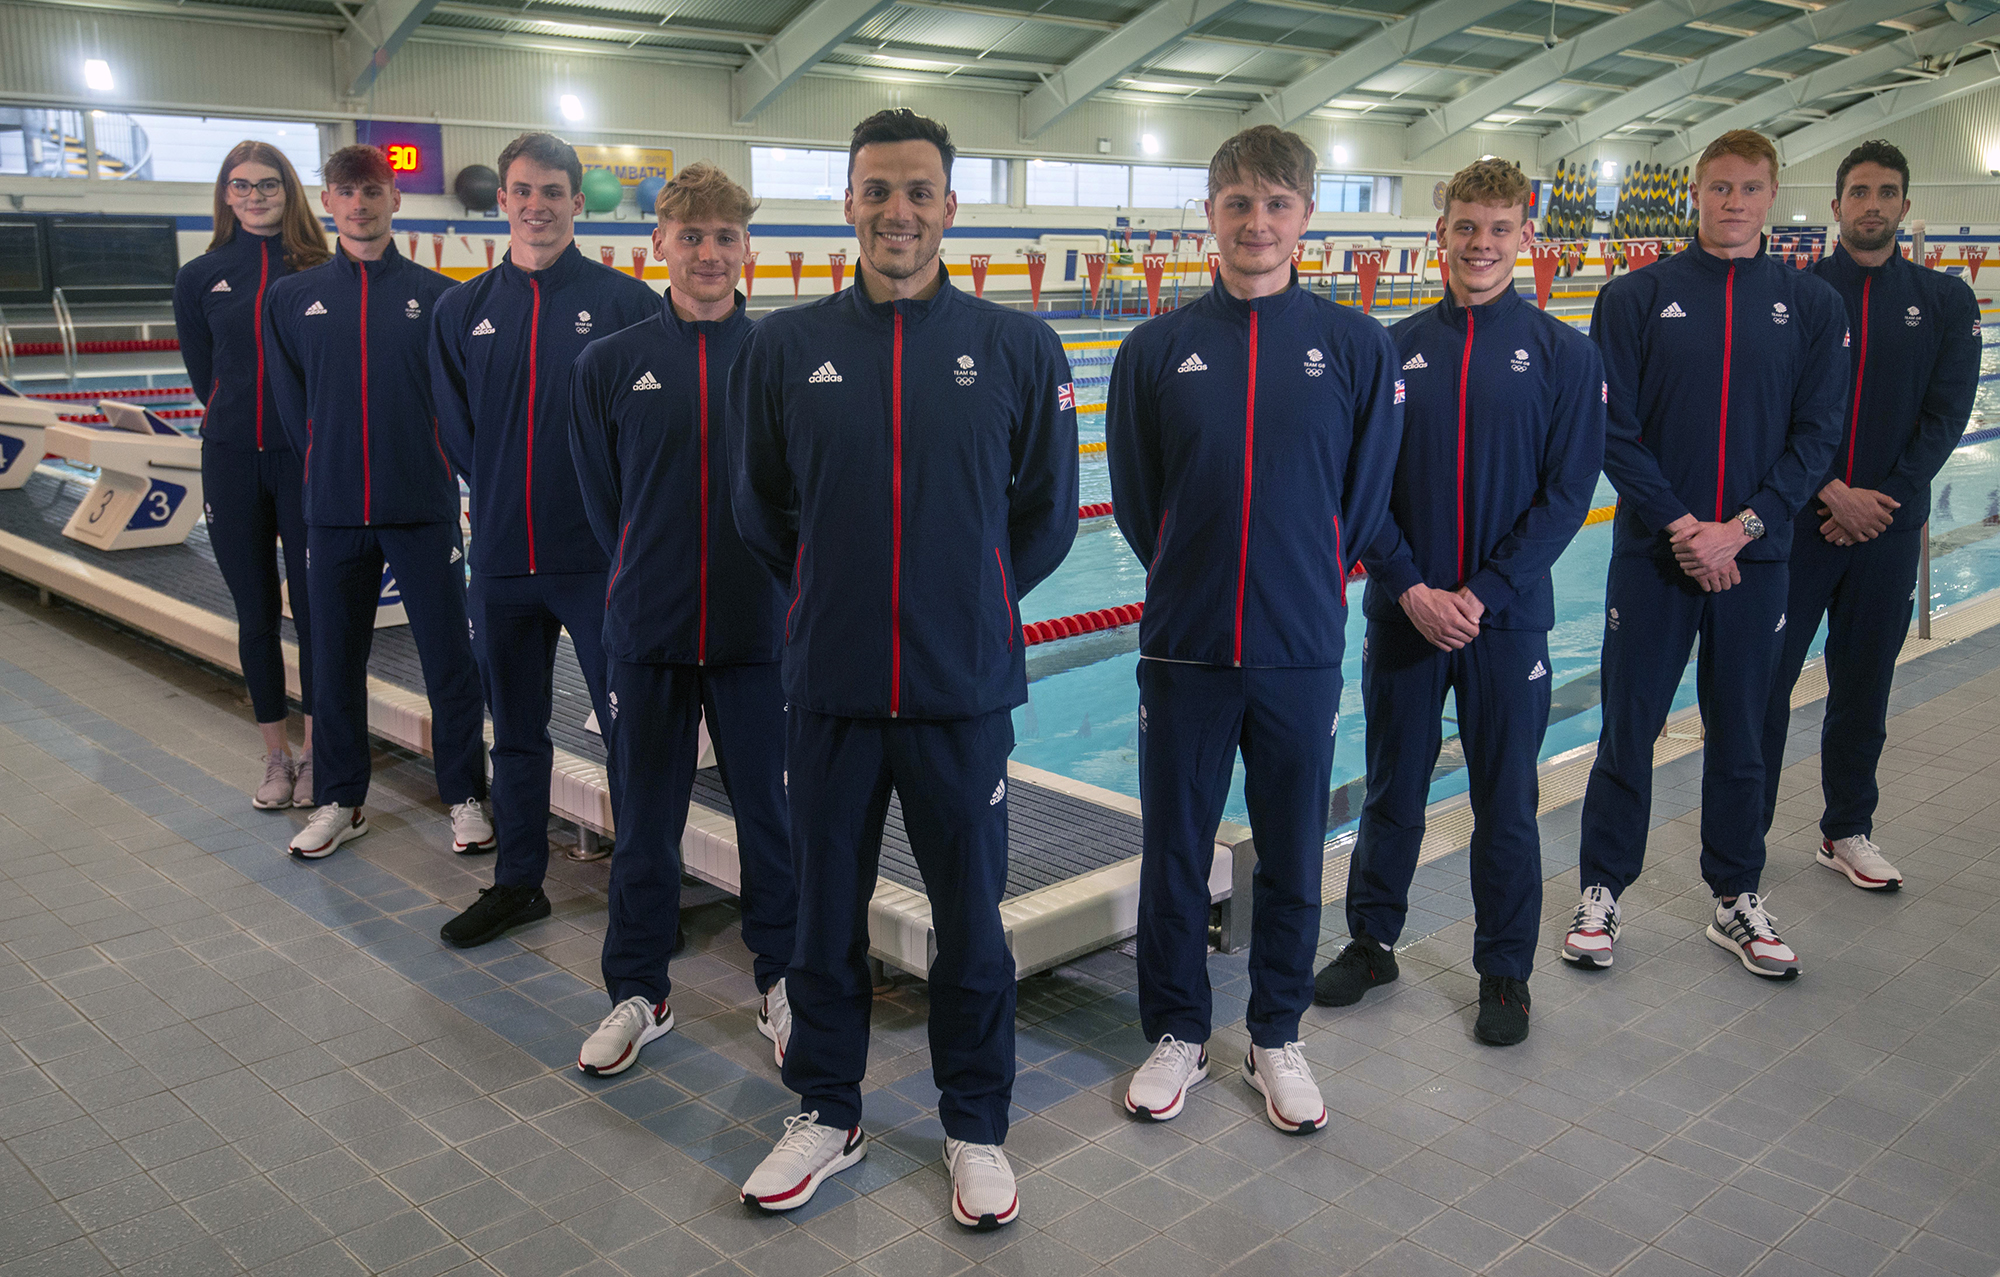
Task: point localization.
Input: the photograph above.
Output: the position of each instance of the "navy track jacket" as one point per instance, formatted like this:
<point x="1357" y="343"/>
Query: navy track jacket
<point x="219" y="319"/>
<point x="909" y="469"/>
<point x="500" y="371"/>
<point x="1915" y="371"/>
<point x="1252" y="444"/>
<point x="345" y="345"/>
<point x="649" y="433"/>
<point x="1728" y="383"/>
<point x="1503" y="437"/>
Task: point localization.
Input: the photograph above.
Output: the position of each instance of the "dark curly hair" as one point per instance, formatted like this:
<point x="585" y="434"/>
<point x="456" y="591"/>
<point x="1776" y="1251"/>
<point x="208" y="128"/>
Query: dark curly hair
<point x="1875" y="151"/>
<point x="901" y="124"/>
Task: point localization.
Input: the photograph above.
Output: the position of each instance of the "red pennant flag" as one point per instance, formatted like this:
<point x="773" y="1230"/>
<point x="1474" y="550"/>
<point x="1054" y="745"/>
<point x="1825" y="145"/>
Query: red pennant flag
<point x="1037" y="262"/>
<point x="1544" y="257"/>
<point x="1974" y="255"/>
<point x="1640" y="254"/>
<point x="1094" y="267"/>
<point x="1932" y="256"/>
<point x="608" y="253"/>
<point x="413" y="246"/>
<point x="1326" y="252"/>
<point x="639" y="262"/>
<point x="980" y="261"/>
<point x="798" y="268"/>
<point x="1155" y="265"/>
<point x="1215" y="266"/>
<point x="468" y="244"/>
<point x="1368" y="263"/>
<point x="837" y="263"/>
<point x="1299" y="253"/>
<point x="489" y="252"/>
<point x="437" y="250"/>
<point x="1174" y="238"/>
<point x="1152" y="240"/>
<point x="749" y="274"/>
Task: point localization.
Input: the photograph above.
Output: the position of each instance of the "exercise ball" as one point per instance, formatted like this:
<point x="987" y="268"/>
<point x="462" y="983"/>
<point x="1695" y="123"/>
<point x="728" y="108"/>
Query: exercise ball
<point x="601" y="191"/>
<point x="477" y="187"/>
<point x="649" y="194"/>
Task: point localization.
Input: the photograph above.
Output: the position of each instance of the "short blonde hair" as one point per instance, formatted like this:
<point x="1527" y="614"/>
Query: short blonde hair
<point x="1264" y="151"/>
<point x="1747" y="144"/>
<point x="1489" y="181"/>
<point x="702" y="192"/>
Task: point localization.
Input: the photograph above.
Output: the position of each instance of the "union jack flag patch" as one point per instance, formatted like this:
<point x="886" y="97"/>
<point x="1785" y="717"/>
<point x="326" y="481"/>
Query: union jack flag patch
<point x="1399" y="390"/>
<point x="1066" y="396"/>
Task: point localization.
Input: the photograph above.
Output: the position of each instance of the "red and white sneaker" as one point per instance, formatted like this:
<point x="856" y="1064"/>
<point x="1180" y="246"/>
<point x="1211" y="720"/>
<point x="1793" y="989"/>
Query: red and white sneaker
<point x="1747" y="929"/>
<point x="1593" y="931"/>
<point x="1862" y="862"/>
<point x="1292" y="1100"/>
<point x="774" y="1020"/>
<point x="982" y="1185"/>
<point x="615" y="1045"/>
<point x="327" y="828"/>
<point x="804" y="1156"/>
<point x="1158" y="1090"/>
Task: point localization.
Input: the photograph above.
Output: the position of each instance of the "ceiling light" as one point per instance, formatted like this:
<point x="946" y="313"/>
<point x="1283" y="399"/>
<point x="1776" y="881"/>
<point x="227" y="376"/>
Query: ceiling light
<point x="97" y="74"/>
<point x="1798" y="217"/>
<point x="1149" y="144"/>
<point x="1340" y="155"/>
<point x="572" y="108"/>
<point x="1610" y="170"/>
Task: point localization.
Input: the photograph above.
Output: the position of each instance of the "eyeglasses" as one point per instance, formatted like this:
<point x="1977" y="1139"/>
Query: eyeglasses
<point x="268" y="187"/>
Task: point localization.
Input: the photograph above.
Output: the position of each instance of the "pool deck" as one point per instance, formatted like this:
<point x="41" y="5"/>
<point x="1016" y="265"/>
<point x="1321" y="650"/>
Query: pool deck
<point x="216" y="1061"/>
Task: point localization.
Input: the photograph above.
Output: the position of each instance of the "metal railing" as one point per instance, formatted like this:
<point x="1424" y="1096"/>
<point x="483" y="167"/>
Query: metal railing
<point x="66" y="333"/>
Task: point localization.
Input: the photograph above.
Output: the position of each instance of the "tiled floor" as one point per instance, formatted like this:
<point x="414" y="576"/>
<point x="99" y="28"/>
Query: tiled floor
<point x="213" y="1060"/>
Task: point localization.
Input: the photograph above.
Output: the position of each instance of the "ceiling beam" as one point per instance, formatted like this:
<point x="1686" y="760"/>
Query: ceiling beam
<point x="818" y="29"/>
<point x="1939" y="41"/>
<point x="1773" y="42"/>
<point x="1542" y="69"/>
<point x="371" y="39"/>
<point x="1369" y="56"/>
<point x="1099" y="66"/>
<point x="1017" y="15"/>
<point x="597" y="20"/>
<point x="1886" y="108"/>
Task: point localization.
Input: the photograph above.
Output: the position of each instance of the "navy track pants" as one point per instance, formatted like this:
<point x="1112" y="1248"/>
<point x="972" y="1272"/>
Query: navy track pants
<point x="345" y="582"/>
<point x="254" y="498"/>
<point x="1866" y="592"/>
<point x="1653" y="614"/>
<point x="952" y="779"/>
<point x="1501" y="684"/>
<point x="516" y="621"/>
<point x="651" y="738"/>
<point x="1192" y="721"/>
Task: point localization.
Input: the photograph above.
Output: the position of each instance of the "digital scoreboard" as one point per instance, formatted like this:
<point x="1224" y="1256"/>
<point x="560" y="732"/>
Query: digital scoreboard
<point x="415" y="151"/>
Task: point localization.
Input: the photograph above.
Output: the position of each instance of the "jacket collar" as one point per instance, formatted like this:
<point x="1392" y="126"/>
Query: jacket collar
<point x="1709" y="262"/>
<point x="690" y="329"/>
<point x="1845" y="267"/>
<point x="1454" y="314"/>
<point x="556" y="274"/>
<point x="913" y="310"/>
<point x="1240" y="309"/>
<point x="383" y="265"/>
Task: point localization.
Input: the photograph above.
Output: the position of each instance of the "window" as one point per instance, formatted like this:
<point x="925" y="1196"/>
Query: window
<point x="979" y="180"/>
<point x="1060" y="182"/>
<point x="190" y="148"/>
<point x="37" y="143"/>
<point x="1160" y="187"/>
<point x="1346" y="193"/>
<point x="787" y="173"/>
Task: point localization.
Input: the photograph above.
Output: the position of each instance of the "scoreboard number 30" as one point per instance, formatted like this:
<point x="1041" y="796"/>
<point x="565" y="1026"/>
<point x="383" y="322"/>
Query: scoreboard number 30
<point x="404" y="157"/>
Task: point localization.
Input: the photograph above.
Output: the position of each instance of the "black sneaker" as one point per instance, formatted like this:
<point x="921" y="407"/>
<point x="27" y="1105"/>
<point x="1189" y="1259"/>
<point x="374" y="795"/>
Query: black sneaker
<point x="497" y="909"/>
<point x="1503" y="1010"/>
<point x="1361" y="966"/>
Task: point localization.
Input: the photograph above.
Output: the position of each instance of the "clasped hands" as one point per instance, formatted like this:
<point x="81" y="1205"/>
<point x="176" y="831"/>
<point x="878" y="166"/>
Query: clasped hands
<point x="1854" y="515"/>
<point x="1448" y="619"/>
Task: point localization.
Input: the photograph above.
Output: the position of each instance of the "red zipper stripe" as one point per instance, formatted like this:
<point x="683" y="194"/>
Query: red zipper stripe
<point x="896" y="521"/>
<point x="798" y="587"/>
<point x="1339" y="559"/>
<point x="701" y="614"/>
<point x="1464" y="376"/>
<point x="1722" y="422"/>
<point x="263" y="278"/>
<point x="1249" y="456"/>
<point x="619" y="566"/>
<point x="1860" y="370"/>
<point x="367" y="469"/>
<point x="1006" y="599"/>
<point x="528" y="483"/>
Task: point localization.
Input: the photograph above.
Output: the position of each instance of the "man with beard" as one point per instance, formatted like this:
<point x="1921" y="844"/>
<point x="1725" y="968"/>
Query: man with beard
<point x="1915" y="359"/>
<point x="907" y="465"/>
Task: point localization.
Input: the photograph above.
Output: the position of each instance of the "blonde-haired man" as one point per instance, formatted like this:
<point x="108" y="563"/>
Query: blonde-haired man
<point x="691" y="620"/>
<point x="1503" y="435"/>
<point x="1728" y="375"/>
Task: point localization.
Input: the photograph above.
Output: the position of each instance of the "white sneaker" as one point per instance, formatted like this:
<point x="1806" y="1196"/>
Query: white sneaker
<point x="471" y="828"/>
<point x="1291" y="1098"/>
<point x="1594" y="930"/>
<point x="614" y="1047"/>
<point x="774" y="1020"/>
<point x="1748" y="930"/>
<point x="804" y="1156"/>
<point x="1862" y="862"/>
<point x="982" y="1185"/>
<point x="326" y="829"/>
<point x="1159" y="1088"/>
<point x="279" y="776"/>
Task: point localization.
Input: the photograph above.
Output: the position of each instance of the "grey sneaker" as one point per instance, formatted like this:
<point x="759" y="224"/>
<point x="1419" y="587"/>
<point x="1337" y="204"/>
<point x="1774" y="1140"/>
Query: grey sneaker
<point x="326" y="829"/>
<point x="1158" y="1090"/>
<point x="1748" y="930"/>
<point x="982" y="1185"/>
<point x="302" y="782"/>
<point x="1292" y="1100"/>
<point x="804" y="1156"/>
<point x="276" y="791"/>
<point x="1862" y="862"/>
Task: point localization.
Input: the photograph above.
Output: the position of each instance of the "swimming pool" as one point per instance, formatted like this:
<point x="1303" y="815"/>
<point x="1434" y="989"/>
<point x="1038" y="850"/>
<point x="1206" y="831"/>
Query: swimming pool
<point x="1081" y="719"/>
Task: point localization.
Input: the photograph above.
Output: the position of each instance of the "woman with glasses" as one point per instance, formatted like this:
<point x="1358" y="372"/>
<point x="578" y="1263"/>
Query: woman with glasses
<point x="252" y="478"/>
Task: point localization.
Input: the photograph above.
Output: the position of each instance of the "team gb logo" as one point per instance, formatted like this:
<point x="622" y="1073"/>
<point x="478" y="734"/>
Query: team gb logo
<point x="1519" y="363"/>
<point x="1315" y="362"/>
<point x="1913" y="317"/>
<point x="965" y="374"/>
<point x="1778" y="313"/>
<point x="582" y="321"/>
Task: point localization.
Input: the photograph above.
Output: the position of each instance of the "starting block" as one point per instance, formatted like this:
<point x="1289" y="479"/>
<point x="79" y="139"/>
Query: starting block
<point x="22" y="421"/>
<point x="148" y="489"/>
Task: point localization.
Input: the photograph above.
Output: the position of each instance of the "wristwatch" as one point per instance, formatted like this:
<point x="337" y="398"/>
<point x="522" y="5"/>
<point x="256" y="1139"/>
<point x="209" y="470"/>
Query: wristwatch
<point x="1753" y="527"/>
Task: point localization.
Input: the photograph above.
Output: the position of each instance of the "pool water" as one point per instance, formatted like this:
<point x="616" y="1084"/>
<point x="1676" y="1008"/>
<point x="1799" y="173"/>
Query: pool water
<point x="1082" y="721"/>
